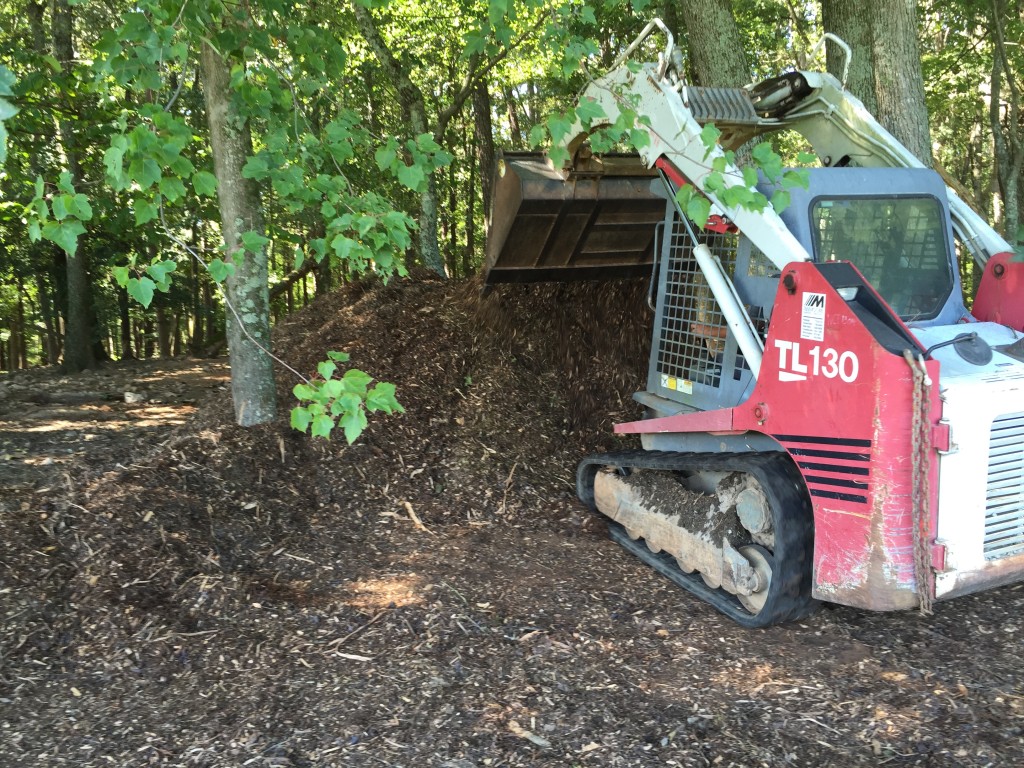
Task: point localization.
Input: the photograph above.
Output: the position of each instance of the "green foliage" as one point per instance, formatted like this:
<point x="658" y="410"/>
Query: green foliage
<point x="58" y="215"/>
<point x="412" y="161"/>
<point x="143" y="284"/>
<point x="329" y="401"/>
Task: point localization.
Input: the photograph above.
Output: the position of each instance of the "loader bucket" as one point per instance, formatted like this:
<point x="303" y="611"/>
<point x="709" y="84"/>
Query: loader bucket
<point x="596" y="222"/>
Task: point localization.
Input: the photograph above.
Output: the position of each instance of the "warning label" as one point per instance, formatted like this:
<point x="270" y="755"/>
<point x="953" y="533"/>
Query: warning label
<point x="812" y="317"/>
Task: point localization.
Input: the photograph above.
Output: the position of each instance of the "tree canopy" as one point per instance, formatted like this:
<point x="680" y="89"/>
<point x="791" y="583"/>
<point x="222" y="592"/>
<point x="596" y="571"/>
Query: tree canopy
<point x="176" y="175"/>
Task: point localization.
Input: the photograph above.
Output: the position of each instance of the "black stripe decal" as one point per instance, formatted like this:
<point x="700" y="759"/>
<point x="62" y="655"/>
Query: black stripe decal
<point x="833" y="468"/>
<point x="839" y="496"/>
<point x="823" y="440"/>
<point x="829" y="454"/>
<point x="837" y="482"/>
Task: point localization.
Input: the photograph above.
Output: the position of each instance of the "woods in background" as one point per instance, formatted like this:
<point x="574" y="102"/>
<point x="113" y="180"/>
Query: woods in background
<point x="323" y="141"/>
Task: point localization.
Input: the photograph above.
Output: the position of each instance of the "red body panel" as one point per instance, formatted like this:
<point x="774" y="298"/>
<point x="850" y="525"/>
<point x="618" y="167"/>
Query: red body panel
<point x="841" y="405"/>
<point x="1000" y="296"/>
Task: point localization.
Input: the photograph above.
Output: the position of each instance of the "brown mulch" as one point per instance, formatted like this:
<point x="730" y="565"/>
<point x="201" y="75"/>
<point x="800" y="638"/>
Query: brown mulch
<point x="205" y="595"/>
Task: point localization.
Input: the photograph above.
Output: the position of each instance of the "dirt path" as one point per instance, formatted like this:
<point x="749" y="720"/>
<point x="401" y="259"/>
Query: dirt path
<point x="231" y="597"/>
<point x="48" y="421"/>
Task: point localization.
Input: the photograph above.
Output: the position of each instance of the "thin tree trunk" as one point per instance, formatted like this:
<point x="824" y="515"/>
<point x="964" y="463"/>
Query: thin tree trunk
<point x="850" y="22"/>
<point x="414" y="105"/>
<point x="163" y="331"/>
<point x="899" y="84"/>
<point x="78" y="349"/>
<point x="124" y="322"/>
<point x="470" y="249"/>
<point x="484" y="134"/>
<point x="248" y="313"/>
<point x="1008" y="144"/>
<point x="716" y="49"/>
<point x="50" y="347"/>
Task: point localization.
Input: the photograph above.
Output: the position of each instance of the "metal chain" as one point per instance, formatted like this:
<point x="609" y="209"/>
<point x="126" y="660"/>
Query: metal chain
<point x="920" y="449"/>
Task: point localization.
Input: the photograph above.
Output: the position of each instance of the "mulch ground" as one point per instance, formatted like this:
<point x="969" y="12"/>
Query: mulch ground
<point x="198" y="594"/>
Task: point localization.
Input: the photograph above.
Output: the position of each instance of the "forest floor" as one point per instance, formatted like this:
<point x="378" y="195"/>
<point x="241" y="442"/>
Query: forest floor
<point x="176" y="590"/>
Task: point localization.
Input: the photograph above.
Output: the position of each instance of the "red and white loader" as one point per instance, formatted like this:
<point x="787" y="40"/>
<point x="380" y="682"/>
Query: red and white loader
<point x="825" y="420"/>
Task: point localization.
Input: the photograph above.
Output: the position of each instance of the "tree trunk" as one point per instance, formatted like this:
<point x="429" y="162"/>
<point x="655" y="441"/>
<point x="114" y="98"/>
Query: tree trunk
<point x="470" y="249"/>
<point x="484" y="132"/>
<point x="195" y="341"/>
<point x="716" y="49"/>
<point x="125" y="322"/>
<point x="899" y="84"/>
<point x="78" y="349"/>
<point x="163" y="331"/>
<point x="248" y="312"/>
<point x="1007" y="141"/>
<point x="852" y="23"/>
<point x="414" y="104"/>
<point x="323" y="273"/>
<point x="51" y="348"/>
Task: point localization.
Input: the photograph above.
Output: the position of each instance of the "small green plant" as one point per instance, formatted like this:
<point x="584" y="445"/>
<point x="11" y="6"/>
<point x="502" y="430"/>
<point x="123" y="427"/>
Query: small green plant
<point x="327" y="401"/>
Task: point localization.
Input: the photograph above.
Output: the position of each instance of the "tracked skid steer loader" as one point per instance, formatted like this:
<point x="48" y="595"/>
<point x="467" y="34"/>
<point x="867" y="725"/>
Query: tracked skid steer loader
<point x="824" y="419"/>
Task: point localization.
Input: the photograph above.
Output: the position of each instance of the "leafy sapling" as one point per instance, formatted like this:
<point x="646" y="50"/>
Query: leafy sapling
<point x="328" y="401"/>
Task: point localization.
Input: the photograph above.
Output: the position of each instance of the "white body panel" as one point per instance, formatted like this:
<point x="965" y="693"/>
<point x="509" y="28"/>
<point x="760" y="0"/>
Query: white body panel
<point x="973" y="397"/>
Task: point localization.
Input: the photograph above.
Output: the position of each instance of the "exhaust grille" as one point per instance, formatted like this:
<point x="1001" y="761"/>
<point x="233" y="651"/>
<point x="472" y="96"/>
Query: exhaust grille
<point x="1004" y="493"/>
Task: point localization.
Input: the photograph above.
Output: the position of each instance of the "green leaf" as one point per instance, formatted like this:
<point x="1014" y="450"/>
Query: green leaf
<point x="65" y="234"/>
<point x="304" y="392"/>
<point x="353" y="422"/>
<point x="386" y="155"/>
<point x="639" y="138"/>
<point x="35" y="231"/>
<point x="121" y="275"/>
<point x="807" y="158"/>
<point x="767" y="160"/>
<point x="220" y="270"/>
<point x="356" y="381"/>
<point x="683" y="196"/>
<point x="204" y="183"/>
<point x="382" y="398"/>
<point x="411" y="176"/>
<point x="144" y="211"/>
<point x="172" y="188"/>
<point x="144" y="171"/>
<point x="341" y="357"/>
<point x="301" y="418"/>
<point x="113" y="161"/>
<point x="141" y="289"/>
<point x="254" y="242"/>
<point x="750" y="176"/>
<point x="59" y="206"/>
<point x="780" y="200"/>
<point x="698" y="209"/>
<point x="709" y="137"/>
<point x="587" y="111"/>
<point x="349" y="401"/>
<point x="80" y="207"/>
<point x="256" y="167"/>
<point x="322" y="426"/>
<point x="559" y="126"/>
<point x="796" y="178"/>
<point x="161" y="269"/>
<point x="326" y="369"/>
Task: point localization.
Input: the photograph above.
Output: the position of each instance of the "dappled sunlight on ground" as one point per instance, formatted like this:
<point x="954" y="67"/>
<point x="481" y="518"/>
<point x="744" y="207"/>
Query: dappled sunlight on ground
<point x="388" y="592"/>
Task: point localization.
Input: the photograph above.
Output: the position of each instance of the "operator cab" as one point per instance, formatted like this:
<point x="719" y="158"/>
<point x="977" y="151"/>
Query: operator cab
<point x="893" y="224"/>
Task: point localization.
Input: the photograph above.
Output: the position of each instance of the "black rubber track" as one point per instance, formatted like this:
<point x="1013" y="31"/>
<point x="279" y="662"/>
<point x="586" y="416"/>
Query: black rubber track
<point x="789" y="595"/>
